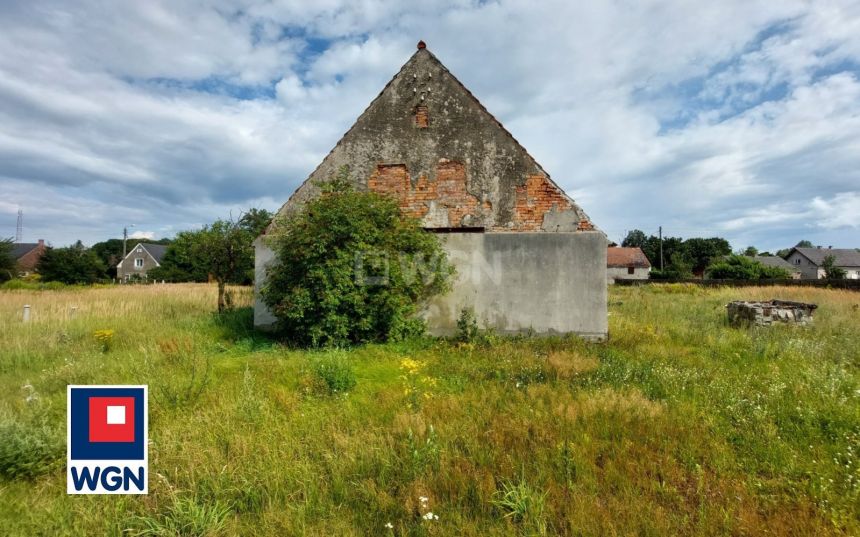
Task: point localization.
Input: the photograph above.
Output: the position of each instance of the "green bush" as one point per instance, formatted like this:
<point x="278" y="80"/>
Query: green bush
<point x="7" y="260"/>
<point x="18" y="284"/>
<point x="740" y="267"/>
<point x="333" y="374"/>
<point x="350" y="268"/>
<point x="74" y="264"/>
<point x="467" y="326"/>
<point x="28" y="451"/>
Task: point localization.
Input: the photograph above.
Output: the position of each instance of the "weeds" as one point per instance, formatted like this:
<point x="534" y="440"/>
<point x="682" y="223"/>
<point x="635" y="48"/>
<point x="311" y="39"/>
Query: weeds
<point x="184" y="518"/>
<point x="467" y="326"/>
<point x="27" y="451"/>
<point x="333" y="374"/>
<point x="523" y="505"/>
<point x="678" y="425"/>
<point x="185" y="383"/>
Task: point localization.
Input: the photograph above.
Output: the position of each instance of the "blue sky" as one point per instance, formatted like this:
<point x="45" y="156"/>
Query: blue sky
<point x="737" y="118"/>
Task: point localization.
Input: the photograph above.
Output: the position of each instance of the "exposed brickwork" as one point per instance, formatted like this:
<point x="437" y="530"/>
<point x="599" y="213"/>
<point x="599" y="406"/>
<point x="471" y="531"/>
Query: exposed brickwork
<point x="390" y="179"/>
<point x="534" y="199"/>
<point x="422" y="117"/>
<point x="445" y="202"/>
<point x="453" y="205"/>
<point x="458" y="169"/>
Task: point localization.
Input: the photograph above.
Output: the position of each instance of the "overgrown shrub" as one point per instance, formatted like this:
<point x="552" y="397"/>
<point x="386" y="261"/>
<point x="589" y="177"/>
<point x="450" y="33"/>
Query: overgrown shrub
<point x="740" y="267"/>
<point x="350" y="268"/>
<point x="29" y="451"/>
<point x="188" y="378"/>
<point x="467" y="326"/>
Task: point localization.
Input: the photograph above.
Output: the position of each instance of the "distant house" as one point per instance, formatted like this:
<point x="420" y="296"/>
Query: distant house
<point x="626" y="263"/>
<point x="810" y="261"/>
<point x="778" y="262"/>
<point x="139" y="261"/>
<point x="27" y="255"/>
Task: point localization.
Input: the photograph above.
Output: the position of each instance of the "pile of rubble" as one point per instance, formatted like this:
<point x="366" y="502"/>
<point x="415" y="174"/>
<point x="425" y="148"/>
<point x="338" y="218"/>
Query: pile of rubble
<point x="742" y="313"/>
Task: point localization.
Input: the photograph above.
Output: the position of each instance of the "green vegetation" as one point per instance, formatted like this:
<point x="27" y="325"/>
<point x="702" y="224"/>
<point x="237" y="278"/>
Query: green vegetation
<point x="350" y="268"/>
<point x="831" y="271"/>
<point x="678" y="425"/>
<point x="741" y="267"/>
<point x="7" y="260"/>
<point x="223" y="248"/>
<point x="74" y="264"/>
<point x="682" y="258"/>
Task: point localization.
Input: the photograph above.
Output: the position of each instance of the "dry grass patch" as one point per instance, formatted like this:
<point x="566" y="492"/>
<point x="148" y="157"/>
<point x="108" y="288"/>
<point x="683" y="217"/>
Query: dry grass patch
<point x="568" y="364"/>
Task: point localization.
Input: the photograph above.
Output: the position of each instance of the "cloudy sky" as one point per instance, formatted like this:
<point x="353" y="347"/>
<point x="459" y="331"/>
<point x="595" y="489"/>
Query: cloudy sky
<point x="735" y="118"/>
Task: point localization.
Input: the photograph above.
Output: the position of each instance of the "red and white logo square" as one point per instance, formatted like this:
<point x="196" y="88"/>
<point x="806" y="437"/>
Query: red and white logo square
<point x="111" y="419"/>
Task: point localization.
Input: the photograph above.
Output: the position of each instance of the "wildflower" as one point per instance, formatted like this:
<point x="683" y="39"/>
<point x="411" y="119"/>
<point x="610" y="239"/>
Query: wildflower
<point x="422" y="499"/>
<point x="389" y="525"/>
<point x="430" y="516"/>
<point x="105" y="338"/>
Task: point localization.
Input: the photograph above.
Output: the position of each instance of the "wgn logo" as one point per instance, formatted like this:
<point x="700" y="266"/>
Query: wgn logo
<point x="107" y="429"/>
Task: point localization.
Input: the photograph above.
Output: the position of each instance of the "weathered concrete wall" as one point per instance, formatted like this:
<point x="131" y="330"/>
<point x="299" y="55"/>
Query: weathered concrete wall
<point x="263" y="255"/>
<point x="639" y="273"/>
<point x="516" y="282"/>
<point x="549" y="283"/>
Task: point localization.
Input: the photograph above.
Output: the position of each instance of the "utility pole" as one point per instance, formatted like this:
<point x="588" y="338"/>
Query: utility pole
<point x="661" y="248"/>
<point x="125" y="239"/>
<point x="19" y="229"/>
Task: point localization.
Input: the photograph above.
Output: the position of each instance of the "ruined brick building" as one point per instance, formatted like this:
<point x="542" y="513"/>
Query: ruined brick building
<point x="527" y="256"/>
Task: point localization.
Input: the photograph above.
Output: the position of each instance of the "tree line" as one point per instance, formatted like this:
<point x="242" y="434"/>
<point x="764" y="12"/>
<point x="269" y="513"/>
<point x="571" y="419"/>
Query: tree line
<point x="711" y="257"/>
<point x="221" y="251"/>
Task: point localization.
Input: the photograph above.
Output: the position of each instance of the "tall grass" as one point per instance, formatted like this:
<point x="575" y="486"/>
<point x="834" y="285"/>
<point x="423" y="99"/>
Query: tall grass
<point x="679" y="424"/>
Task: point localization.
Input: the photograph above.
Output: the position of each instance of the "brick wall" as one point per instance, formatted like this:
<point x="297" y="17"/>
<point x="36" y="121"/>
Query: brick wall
<point x="446" y="201"/>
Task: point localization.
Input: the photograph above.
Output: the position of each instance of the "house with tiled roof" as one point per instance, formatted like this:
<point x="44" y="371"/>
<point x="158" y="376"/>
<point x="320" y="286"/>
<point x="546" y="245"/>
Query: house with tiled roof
<point x="27" y="255"/>
<point x="626" y="263"/>
<point x="139" y="261"/>
<point x="810" y="261"/>
<point x="528" y="258"/>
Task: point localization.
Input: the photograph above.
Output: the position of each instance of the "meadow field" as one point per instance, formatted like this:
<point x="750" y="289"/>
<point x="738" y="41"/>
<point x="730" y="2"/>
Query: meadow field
<point x="678" y="425"/>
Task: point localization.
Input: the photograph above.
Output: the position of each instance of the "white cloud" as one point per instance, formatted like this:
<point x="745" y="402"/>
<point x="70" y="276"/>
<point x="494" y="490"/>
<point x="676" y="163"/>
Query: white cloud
<point x="720" y="118"/>
<point x="142" y="235"/>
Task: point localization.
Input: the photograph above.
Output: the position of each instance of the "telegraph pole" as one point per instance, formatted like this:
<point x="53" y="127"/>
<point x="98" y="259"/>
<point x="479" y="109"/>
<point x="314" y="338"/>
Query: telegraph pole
<point x="661" y="248"/>
<point x="19" y="229"/>
<point x="125" y="239"/>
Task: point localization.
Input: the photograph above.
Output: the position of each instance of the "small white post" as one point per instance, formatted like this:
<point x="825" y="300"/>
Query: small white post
<point x="72" y="311"/>
<point x="27" y="313"/>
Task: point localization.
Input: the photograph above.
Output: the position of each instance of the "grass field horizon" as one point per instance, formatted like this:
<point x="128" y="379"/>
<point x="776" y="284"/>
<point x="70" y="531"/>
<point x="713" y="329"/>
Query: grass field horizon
<point x="679" y="424"/>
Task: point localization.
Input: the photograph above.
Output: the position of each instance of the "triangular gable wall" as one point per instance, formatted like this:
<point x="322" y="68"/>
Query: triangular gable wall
<point x="426" y="140"/>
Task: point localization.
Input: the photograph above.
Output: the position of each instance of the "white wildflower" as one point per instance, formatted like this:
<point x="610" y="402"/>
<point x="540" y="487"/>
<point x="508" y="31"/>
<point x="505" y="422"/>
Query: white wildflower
<point x="389" y="525"/>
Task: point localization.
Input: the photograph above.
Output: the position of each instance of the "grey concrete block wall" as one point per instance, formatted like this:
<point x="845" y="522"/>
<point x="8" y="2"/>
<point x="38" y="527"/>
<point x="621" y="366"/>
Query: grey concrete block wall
<point x="548" y="283"/>
<point x="263" y="255"/>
